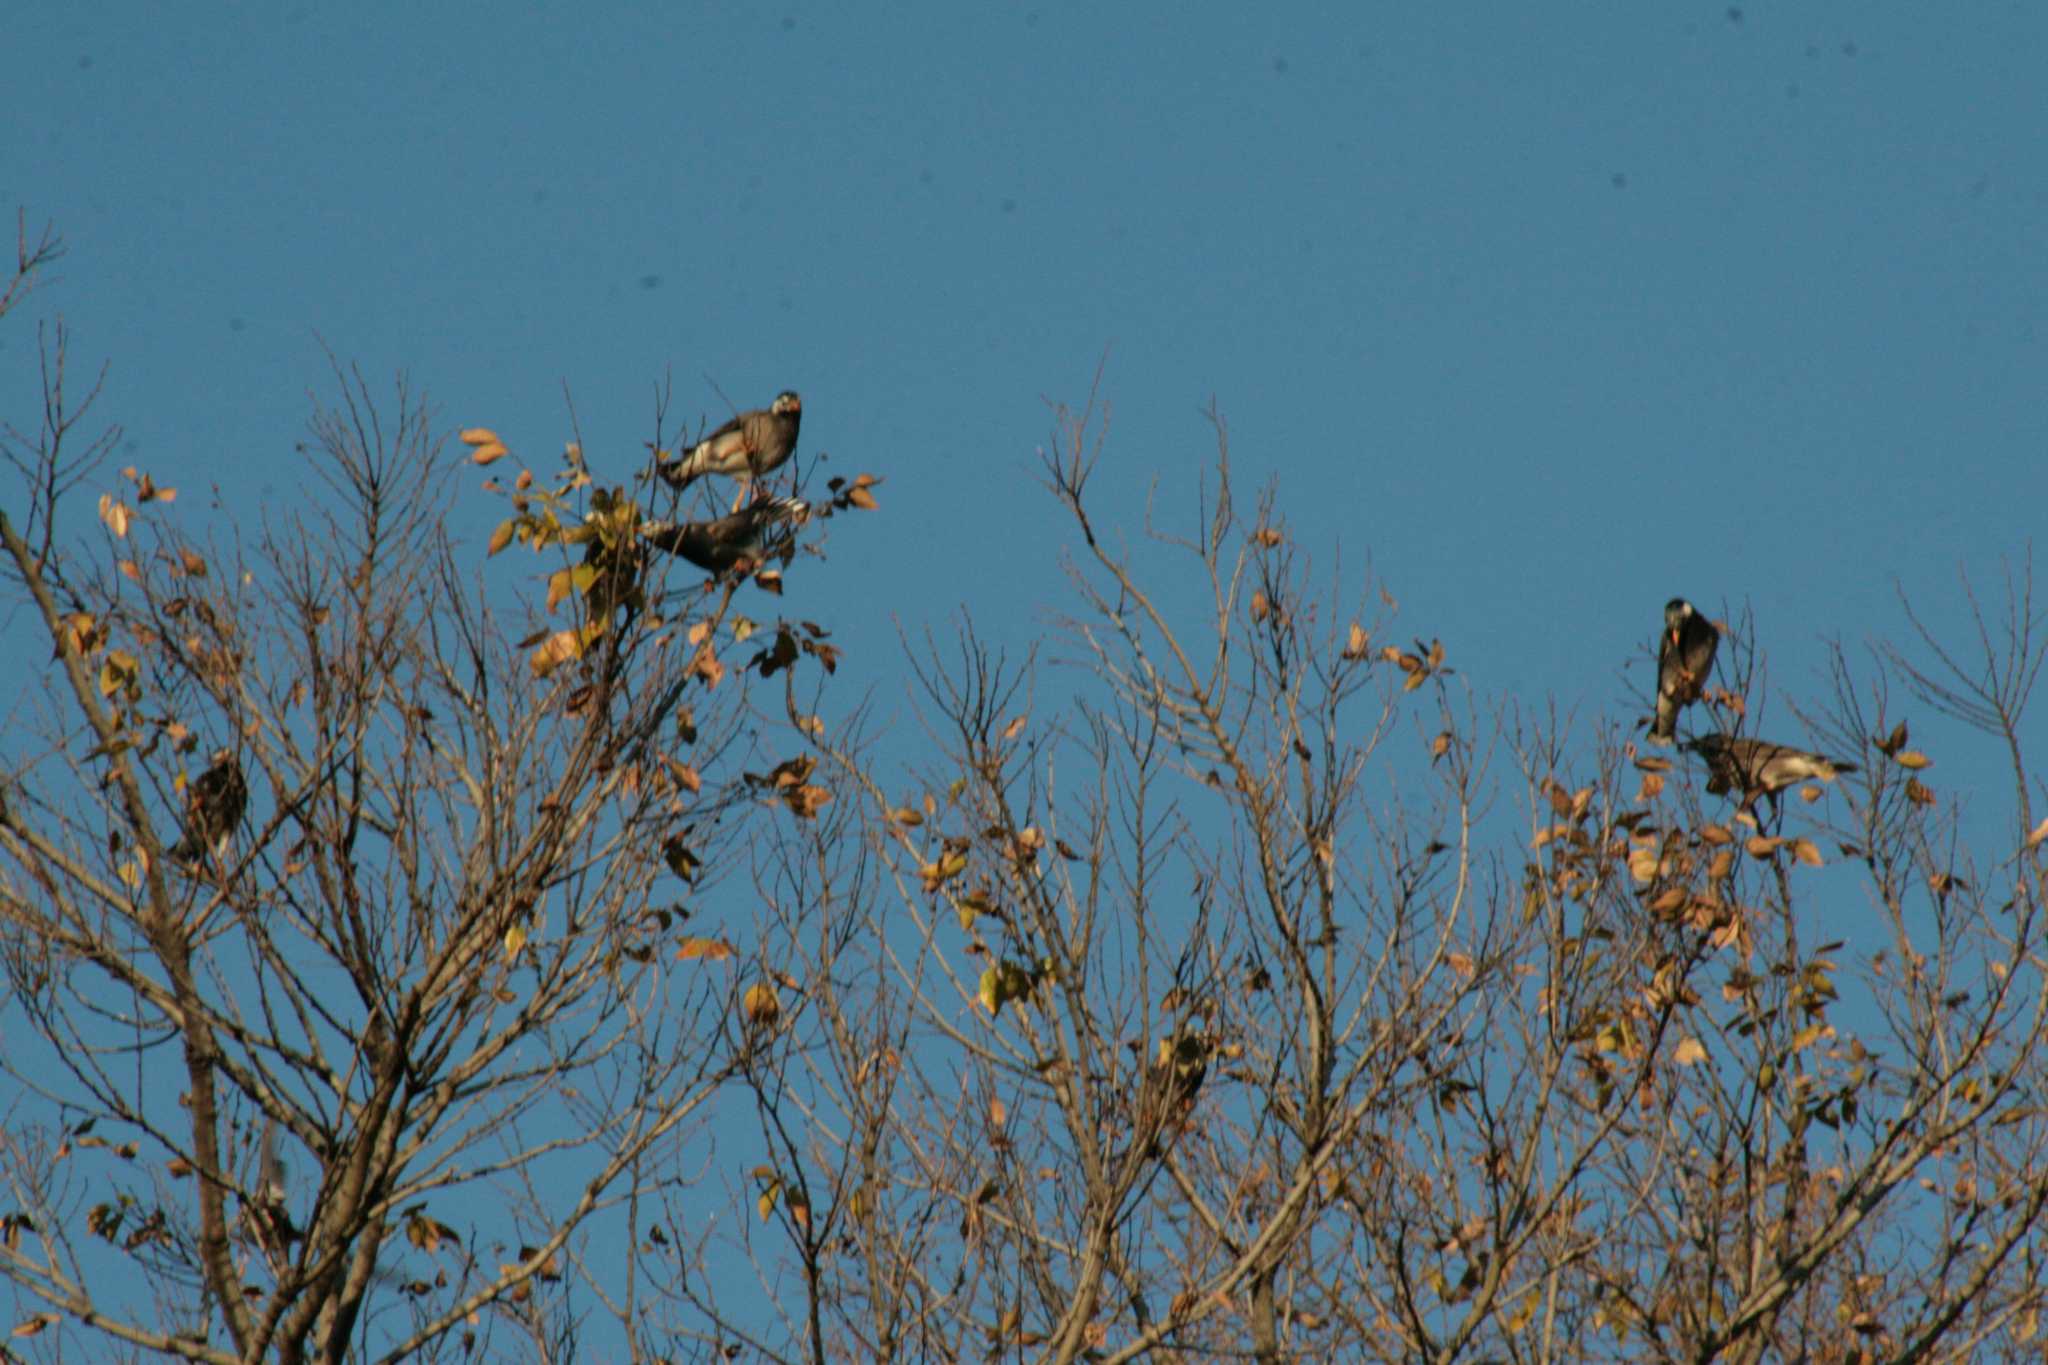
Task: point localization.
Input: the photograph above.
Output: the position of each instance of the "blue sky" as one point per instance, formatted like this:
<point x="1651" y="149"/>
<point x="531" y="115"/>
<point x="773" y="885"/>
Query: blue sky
<point x="1512" y="299"/>
<point x="1546" y="312"/>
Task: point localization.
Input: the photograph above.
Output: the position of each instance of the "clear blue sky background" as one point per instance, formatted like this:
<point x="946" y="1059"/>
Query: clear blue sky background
<point x="1550" y="312"/>
<point x="1553" y="310"/>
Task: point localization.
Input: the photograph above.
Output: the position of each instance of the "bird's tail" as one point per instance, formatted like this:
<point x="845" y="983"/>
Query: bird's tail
<point x="776" y="511"/>
<point x="682" y="471"/>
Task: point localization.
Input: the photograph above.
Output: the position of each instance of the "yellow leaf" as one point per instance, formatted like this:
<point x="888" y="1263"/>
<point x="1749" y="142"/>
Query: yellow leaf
<point x="1806" y="851"/>
<point x="1011" y="730"/>
<point x="950" y="865"/>
<point x="696" y="633"/>
<point x="861" y="498"/>
<point x="1689" y="1052"/>
<point x="910" y="818"/>
<point x="761" y="1004"/>
<point x="708" y="949"/>
<point x="479" y="436"/>
<point x="807" y="799"/>
<point x="1810" y="1035"/>
<point x="117" y="673"/>
<point x="1642" y="863"/>
<point x="1667" y="900"/>
<point x="192" y="564"/>
<point x="488" y="453"/>
<point x="742" y="627"/>
<point x="502" y="537"/>
<point x="2040" y="833"/>
<point x="555" y="651"/>
<point x="1715" y="835"/>
<point x="515" y="939"/>
<point x="1912" y="758"/>
<point x="75" y="631"/>
<point x="1761" y="847"/>
<point x="1355" y="643"/>
<point x="114" y="514"/>
<point x="767" y="1201"/>
<point x="562" y="582"/>
<point x="129" y="570"/>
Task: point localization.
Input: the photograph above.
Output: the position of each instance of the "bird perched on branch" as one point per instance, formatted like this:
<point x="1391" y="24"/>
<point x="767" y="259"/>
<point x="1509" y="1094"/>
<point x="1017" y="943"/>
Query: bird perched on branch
<point x="716" y="546"/>
<point x="749" y="446"/>
<point x="213" y="806"/>
<point x="268" y="1219"/>
<point x="1166" y="1094"/>
<point x="1685" y="655"/>
<point x="1758" y="767"/>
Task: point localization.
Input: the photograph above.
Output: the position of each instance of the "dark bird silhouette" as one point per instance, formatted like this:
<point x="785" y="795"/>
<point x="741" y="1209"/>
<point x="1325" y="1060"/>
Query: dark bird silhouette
<point x="213" y="807"/>
<point x="750" y="445"/>
<point x="1757" y="767"/>
<point x="716" y="546"/>
<point x="1685" y="656"/>
<point x="1166" y="1095"/>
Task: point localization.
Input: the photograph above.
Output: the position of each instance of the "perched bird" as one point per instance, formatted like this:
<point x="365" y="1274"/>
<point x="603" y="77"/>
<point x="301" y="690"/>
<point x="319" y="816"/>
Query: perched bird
<point x="750" y="445"/>
<point x="269" y="1221"/>
<point x="1760" y="768"/>
<point x="1166" y="1095"/>
<point x="213" y="806"/>
<point x="716" y="546"/>
<point x="1685" y="655"/>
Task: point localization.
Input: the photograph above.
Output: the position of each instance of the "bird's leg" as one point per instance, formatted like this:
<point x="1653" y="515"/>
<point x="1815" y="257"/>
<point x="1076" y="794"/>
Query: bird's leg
<point x="739" y="497"/>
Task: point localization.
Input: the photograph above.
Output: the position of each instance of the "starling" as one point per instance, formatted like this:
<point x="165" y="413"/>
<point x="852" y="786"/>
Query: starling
<point x="213" y="807"/>
<point x="715" y="546"/>
<point x="1685" y="655"/>
<point x="751" y="444"/>
<point x="1760" y="768"/>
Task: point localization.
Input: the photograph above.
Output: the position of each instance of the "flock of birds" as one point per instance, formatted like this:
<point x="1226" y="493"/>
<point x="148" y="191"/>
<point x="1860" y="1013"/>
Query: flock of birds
<point x="1756" y="767"/>
<point x="759" y="442"/>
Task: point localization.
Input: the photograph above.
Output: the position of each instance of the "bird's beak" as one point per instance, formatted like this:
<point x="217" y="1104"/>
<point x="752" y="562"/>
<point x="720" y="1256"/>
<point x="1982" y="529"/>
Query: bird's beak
<point x="1674" y="635"/>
